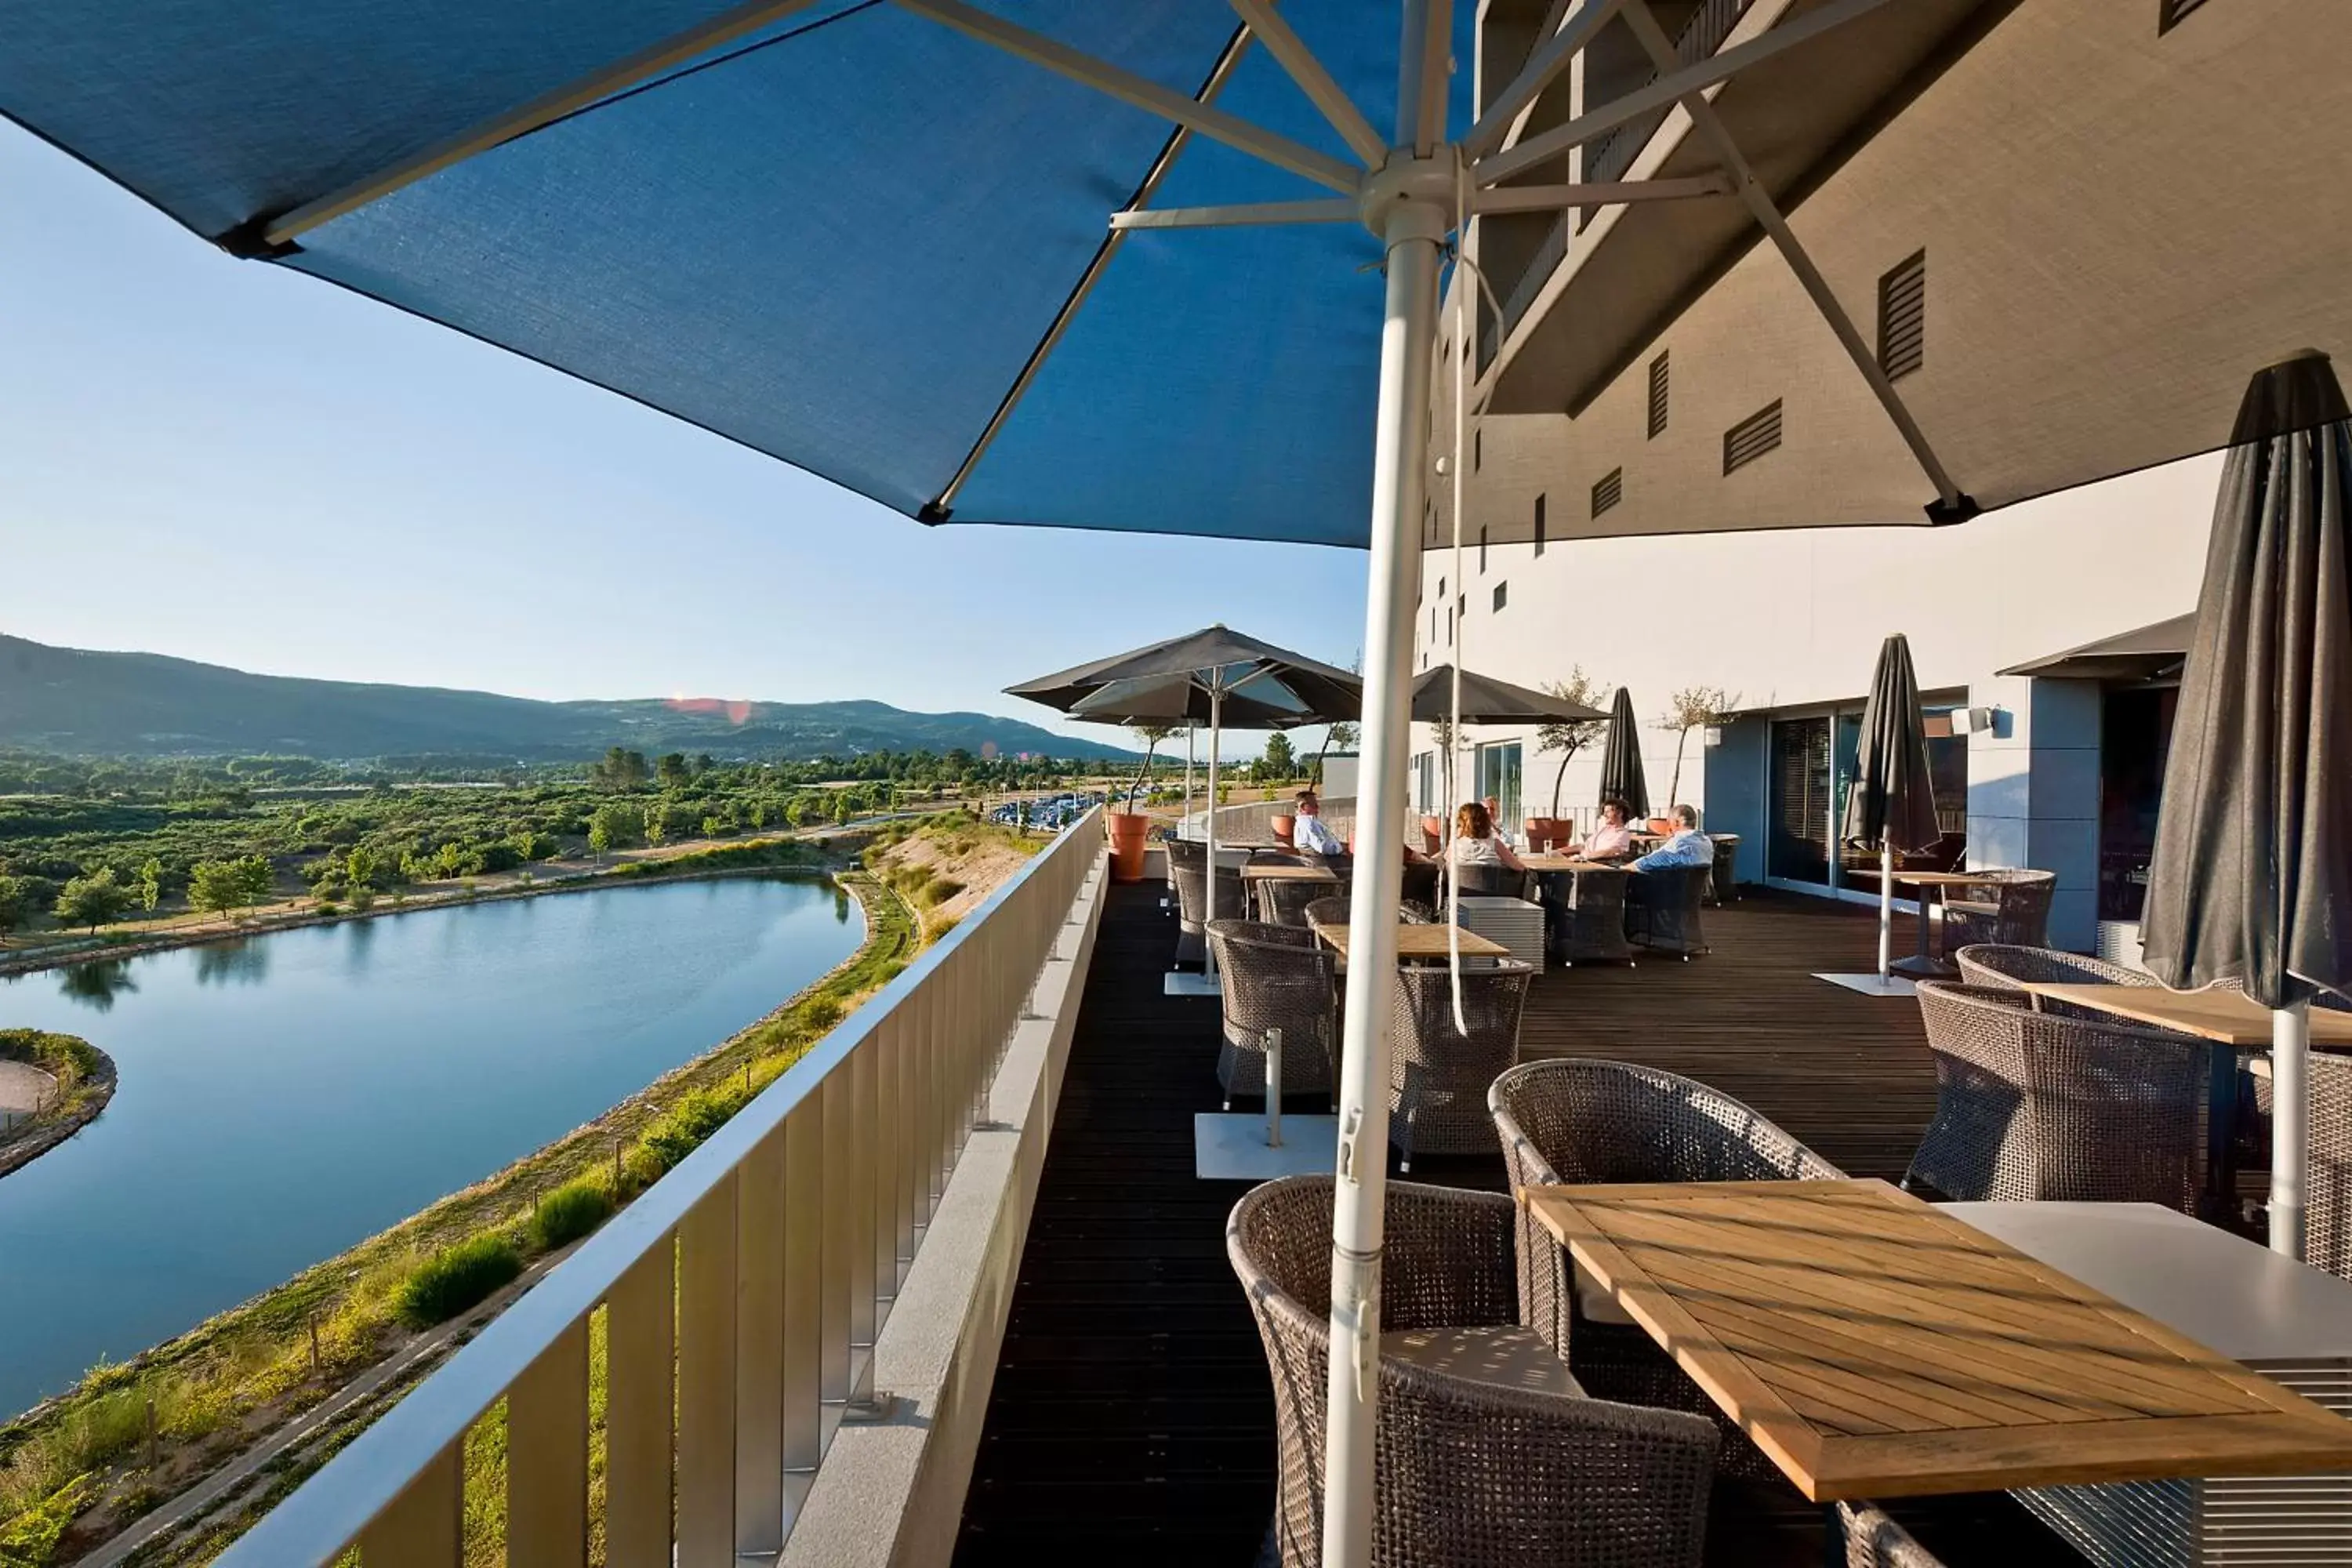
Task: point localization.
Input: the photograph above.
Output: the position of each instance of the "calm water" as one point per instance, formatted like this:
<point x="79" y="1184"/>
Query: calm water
<point x="284" y="1097"/>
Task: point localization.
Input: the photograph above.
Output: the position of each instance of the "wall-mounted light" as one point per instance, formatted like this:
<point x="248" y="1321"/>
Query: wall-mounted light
<point x="1973" y="721"/>
<point x="1714" y="733"/>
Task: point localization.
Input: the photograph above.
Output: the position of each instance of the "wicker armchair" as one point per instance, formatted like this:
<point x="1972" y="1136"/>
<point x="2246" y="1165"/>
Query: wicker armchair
<point x="2004" y="966"/>
<point x="2031" y="1105"/>
<point x="1467" y="1472"/>
<point x="1584" y="916"/>
<point x="1189" y="868"/>
<point x="1332" y="910"/>
<point x="1285" y="902"/>
<point x="1873" y="1540"/>
<point x="2328" y="1215"/>
<point x="1439" y="1077"/>
<point x="1491" y="882"/>
<point x="1577" y="1120"/>
<point x="1420" y="887"/>
<point x="1661" y="908"/>
<point x="2018" y="913"/>
<point x="1275" y="977"/>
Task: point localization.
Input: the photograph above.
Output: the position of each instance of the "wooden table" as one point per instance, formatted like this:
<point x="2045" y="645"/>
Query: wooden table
<point x="1924" y="964"/>
<point x="1542" y="863"/>
<point x="1287" y="871"/>
<point x="2225" y="1017"/>
<point x="1874" y="1347"/>
<point x="1420" y="943"/>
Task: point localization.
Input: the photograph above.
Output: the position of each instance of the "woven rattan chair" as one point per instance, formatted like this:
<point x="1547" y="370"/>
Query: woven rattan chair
<point x="2031" y="1105"/>
<point x="1332" y="908"/>
<point x="1491" y="882"/>
<point x="1285" y="902"/>
<point x="1439" y="1076"/>
<point x="1275" y="977"/>
<point x="1873" y="1540"/>
<point x="2328" y="1214"/>
<point x="2017" y="914"/>
<point x="1190" y="870"/>
<point x="1465" y="1472"/>
<point x="1584" y="916"/>
<point x="1577" y="1120"/>
<point x="1662" y="909"/>
<point x="1421" y="878"/>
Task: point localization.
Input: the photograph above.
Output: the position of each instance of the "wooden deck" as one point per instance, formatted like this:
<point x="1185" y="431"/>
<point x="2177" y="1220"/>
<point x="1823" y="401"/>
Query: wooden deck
<point x="1131" y="1411"/>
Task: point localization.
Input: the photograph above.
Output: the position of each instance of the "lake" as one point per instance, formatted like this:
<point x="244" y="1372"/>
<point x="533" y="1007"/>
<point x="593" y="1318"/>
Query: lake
<point x="285" y="1096"/>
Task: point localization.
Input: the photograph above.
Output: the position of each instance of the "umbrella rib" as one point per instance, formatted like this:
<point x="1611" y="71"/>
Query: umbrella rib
<point x="1768" y="214"/>
<point x="540" y="111"/>
<point x="1336" y="209"/>
<point x="937" y="509"/>
<point x="1675" y="82"/>
<point x="1315" y="82"/>
<point x="1507" y="117"/>
<point x="1141" y="92"/>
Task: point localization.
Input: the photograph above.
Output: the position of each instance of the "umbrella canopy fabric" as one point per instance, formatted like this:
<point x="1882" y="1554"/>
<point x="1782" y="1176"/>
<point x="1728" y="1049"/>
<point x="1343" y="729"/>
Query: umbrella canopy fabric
<point x="1165" y="679"/>
<point x="2251" y="878"/>
<point x="1486" y="701"/>
<point x="1620" y="759"/>
<point x="1892" y="805"/>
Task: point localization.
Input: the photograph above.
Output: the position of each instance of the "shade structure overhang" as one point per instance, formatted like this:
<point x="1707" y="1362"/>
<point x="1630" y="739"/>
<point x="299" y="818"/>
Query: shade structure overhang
<point x="2144" y="653"/>
<point x="1484" y="699"/>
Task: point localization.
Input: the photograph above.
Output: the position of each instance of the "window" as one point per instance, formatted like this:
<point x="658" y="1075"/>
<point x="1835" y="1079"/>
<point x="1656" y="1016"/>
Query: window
<point x="2170" y="13"/>
<point x="1502" y="594"/>
<point x="1903" y="317"/>
<point x="1657" y="397"/>
<point x="1481" y="553"/>
<point x="1609" y="491"/>
<point x="1540" y="525"/>
<point x="1449" y="625"/>
<point x="1477" y="450"/>
<point x="1752" y="437"/>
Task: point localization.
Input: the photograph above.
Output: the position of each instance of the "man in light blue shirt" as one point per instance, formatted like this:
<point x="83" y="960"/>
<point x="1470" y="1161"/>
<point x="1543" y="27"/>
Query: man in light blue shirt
<point x="1688" y="846"/>
<point x="1310" y="833"/>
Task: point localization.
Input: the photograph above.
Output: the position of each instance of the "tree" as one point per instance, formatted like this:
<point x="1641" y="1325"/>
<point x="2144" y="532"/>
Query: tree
<point x="841" y="809"/>
<point x="93" y="901"/>
<point x="656" y="827"/>
<point x="361" y="865"/>
<point x="614" y="826"/>
<point x="1693" y="707"/>
<point x="1280" y="762"/>
<point x="216" y="887"/>
<point x="622" y="770"/>
<point x="254" y="879"/>
<point x="671" y="772"/>
<point x="151" y="885"/>
<point x="14" y="907"/>
<point x="599" y="837"/>
<point x="1150" y="735"/>
<point x="1572" y="736"/>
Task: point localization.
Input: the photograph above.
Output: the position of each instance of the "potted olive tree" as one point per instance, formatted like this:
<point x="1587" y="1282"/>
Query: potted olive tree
<point x="1131" y="829"/>
<point x="1568" y="739"/>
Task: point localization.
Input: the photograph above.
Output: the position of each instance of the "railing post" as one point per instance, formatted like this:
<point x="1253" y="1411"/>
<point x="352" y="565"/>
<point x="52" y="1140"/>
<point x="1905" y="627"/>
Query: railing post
<point x="803" y="1329"/>
<point x="844" y="1243"/>
<point x="873" y="1235"/>
<point x="765" y="1414"/>
<point x="426" y="1525"/>
<point x="547" y="1454"/>
<point x="640" y="1358"/>
<point x="706" y="1381"/>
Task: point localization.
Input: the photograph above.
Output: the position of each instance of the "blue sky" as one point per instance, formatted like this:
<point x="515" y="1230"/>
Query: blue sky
<point x="226" y="462"/>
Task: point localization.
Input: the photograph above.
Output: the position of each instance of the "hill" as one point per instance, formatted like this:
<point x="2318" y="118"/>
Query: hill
<point x="145" y="704"/>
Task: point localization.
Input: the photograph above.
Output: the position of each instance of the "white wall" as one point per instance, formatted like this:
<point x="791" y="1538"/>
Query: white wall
<point x="1786" y="619"/>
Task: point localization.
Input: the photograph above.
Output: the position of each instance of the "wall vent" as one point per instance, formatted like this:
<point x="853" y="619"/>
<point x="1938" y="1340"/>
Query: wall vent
<point x="1608" y="491"/>
<point x="2170" y="13"/>
<point x="1502" y="594"/>
<point x="1657" y="397"/>
<point x="1752" y="437"/>
<point x="1540" y="525"/>
<point x="1903" y="317"/>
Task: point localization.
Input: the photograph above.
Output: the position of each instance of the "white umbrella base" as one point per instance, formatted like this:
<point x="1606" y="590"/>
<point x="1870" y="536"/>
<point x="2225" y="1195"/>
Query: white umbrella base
<point x="1233" y="1148"/>
<point x="1184" y="982"/>
<point x="1873" y="984"/>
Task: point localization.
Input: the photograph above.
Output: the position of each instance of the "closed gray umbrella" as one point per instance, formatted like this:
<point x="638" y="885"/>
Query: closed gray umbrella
<point x="2252" y="879"/>
<point x="1891" y="805"/>
<point x="1620" y="759"/>
<point x="1486" y="701"/>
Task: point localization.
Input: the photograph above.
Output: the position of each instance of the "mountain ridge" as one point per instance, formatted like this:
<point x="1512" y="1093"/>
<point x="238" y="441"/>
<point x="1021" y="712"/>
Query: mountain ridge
<point x="101" y="702"/>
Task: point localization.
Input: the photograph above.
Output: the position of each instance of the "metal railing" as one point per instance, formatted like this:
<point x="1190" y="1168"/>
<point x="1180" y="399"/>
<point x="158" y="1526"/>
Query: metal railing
<point x="1607" y="159"/>
<point x="742" y="1294"/>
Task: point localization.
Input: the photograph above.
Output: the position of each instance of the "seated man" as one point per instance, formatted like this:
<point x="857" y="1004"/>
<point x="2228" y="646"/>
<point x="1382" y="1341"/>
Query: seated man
<point x="1688" y="846"/>
<point x="1613" y="839"/>
<point x="1310" y="835"/>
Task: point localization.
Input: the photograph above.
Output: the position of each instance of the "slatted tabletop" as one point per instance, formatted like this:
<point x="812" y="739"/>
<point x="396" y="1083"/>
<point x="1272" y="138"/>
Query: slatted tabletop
<point x="2230" y="1017"/>
<point x="1567" y="863"/>
<point x="1422" y="942"/>
<point x="1874" y="1347"/>
<point x="1287" y="871"/>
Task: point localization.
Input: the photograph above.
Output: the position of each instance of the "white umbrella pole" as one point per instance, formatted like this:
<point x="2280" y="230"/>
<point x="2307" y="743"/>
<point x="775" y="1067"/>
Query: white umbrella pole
<point x="1886" y="909"/>
<point x="1209" y="902"/>
<point x="2290" y="1124"/>
<point x="1192" y="740"/>
<point x="1413" y="230"/>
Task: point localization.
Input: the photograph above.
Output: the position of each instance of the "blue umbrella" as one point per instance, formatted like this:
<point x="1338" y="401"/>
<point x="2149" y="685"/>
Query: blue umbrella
<point x="871" y="239"/>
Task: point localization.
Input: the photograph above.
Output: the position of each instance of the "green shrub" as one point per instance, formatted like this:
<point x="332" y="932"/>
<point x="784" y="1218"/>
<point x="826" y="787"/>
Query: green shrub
<point x="456" y="1277"/>
<point x="569" y="1212"/>
<point x="938" y="892"/>
<point x="681" y="1129"/>
<point x="30" y="1539"/>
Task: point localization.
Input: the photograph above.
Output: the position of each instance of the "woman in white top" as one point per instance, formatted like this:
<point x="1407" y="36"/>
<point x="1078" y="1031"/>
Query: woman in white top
<point x="1475" y="842"/>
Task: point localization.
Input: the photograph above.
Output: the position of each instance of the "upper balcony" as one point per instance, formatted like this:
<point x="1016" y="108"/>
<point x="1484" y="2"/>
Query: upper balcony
<point x="1581" y="292"/>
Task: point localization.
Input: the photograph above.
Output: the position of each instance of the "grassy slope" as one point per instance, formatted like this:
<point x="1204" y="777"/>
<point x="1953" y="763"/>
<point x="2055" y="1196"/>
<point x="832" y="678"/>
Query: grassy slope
<point x="232" y="1379"/>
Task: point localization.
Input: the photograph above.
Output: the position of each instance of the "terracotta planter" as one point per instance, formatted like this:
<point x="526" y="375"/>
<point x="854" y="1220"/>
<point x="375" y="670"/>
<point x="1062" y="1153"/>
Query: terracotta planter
<point x="1283" y="826"/>
<point x="1544" y="832"/>
<point x="1127" y="831"/>
<point x="1433" y="832"/>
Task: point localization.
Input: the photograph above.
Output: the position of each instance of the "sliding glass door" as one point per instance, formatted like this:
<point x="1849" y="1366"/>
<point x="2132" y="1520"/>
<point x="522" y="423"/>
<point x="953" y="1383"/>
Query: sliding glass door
<point x="1797" y="847"/>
